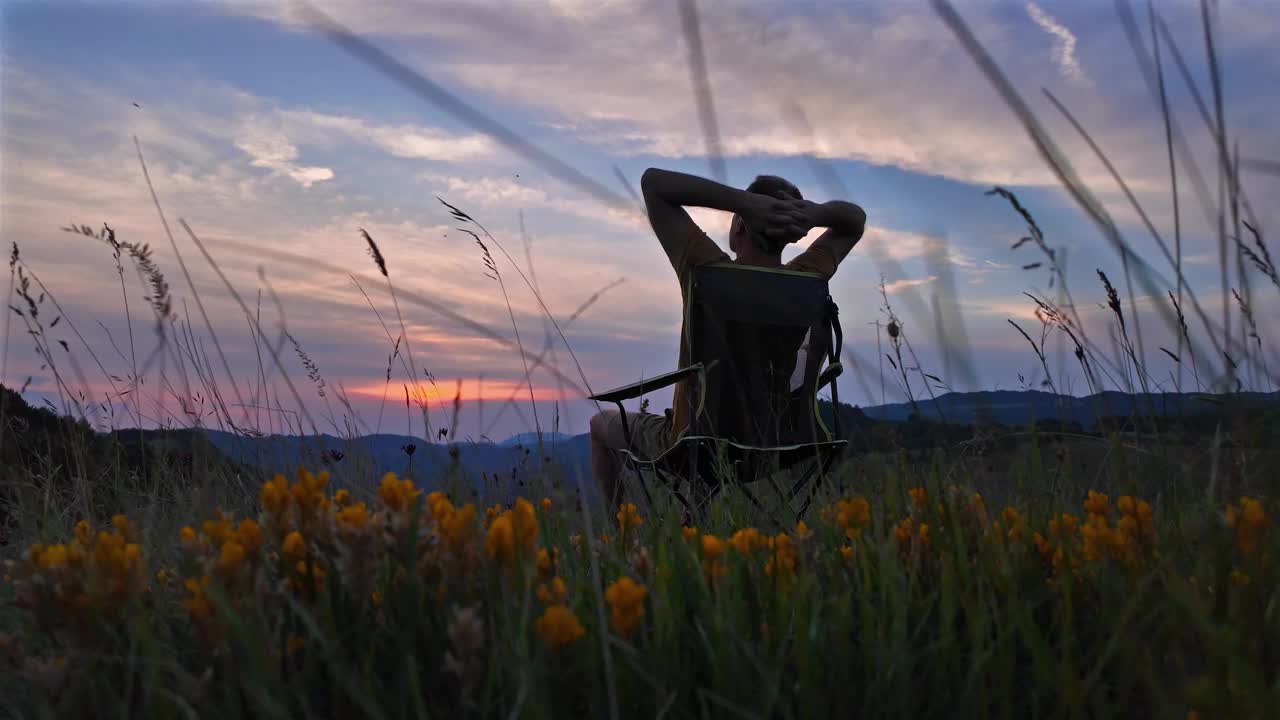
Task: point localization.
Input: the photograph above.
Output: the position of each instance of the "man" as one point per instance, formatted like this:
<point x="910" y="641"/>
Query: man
<point x="767" y="216"/>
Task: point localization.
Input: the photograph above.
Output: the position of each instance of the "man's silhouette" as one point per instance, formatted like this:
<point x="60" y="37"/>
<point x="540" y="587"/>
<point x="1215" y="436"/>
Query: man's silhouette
<point x="767" y="216"/>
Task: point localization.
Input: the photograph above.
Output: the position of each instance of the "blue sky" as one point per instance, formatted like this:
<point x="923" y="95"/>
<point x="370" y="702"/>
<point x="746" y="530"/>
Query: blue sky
<point x="268" y="138"/>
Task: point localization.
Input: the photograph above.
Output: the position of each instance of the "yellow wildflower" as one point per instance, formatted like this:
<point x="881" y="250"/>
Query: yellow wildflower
<point x="546" y="504"/>
<point x="52" y="557"/>
<point x="524" y="524"/>
<point x="558" y="626"/>
<point x="312" y="571"/>
<point x="846" y="552"/>
<point x="547" y="561"/>
<point x="84" y="533"/>
<point x="626" y="605"/>
<point x="396" y="494"/>
<point x="1239" y="578"/>
<point x="342" y="498"/>
<point x="919" y="497"/>
<point x="219" y="528"/>
<point x="231" y="557"/>
<point x="1064" y="526"/>
<point x="1014" y="522"/>
<point x="294" y="546"/>
<point x="457" y="528"/>
<point x="1096" y="503"/>
<point x="1250" y="521"/>
<point x="628" y="517"/>
<point x="910" y="535"/>
<point x="353" y="518"/>
<point x="491" y="513"/>
<point x="1095" y="534"/>
<point x="853" y="515"/>
<point x="249" y="535"/>
<point x="553" y="591"/>
<point x="437" y="504"/>
<point x="689" y="533"/>
<point x="275" y="496"/>
<point x="746" y="540"/>
<point x="782" y="560"/>
<point x="902" y="531"/>
<point x="712" y="557"/>
<point x="500" y="542"/>
<point x="187" y="535"/>
<point x="197" y="603"/>
<point x="802" y="532"/>
<point x="1126" y="504"/>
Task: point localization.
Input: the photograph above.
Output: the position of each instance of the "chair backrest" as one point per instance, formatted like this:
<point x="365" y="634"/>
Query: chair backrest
<point x="763" y="334"/>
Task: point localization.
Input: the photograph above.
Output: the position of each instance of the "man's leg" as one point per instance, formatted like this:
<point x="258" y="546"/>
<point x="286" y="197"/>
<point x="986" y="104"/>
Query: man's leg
<point x="606" y="466"/>
<point x="649" y="438"/>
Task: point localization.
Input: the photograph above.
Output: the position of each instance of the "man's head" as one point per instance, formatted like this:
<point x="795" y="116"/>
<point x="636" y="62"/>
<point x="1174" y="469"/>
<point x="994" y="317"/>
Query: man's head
<point x="740" y="235"/>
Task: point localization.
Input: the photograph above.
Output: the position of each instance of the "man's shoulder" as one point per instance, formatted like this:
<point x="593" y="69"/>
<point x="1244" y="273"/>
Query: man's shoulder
<point x="815" y="259"/>
<point x="698" y="249"/>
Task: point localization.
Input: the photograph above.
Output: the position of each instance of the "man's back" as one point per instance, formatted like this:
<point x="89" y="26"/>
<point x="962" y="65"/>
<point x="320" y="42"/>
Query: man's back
<point x="699" y="250"/>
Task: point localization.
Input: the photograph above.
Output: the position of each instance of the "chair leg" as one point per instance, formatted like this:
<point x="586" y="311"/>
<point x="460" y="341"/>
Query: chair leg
<point x="706" y="499"/>
<point x="644" y="487"/>
<point x="754" y="501"/>
<point x="821" y="466"/>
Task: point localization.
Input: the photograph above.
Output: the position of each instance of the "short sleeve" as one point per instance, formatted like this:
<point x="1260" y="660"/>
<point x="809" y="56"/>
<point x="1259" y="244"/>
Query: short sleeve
<point x="697" y="249"/>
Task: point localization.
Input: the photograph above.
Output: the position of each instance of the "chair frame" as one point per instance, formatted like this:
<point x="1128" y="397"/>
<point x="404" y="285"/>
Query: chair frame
<point x="700" y="451"/>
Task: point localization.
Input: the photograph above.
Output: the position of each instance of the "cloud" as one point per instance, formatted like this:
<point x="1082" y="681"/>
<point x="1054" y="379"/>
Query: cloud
<point x="1064" y="50"/>
<point x="897" y="285"/>
<point x="406" y="141"/>
<point x="272" y="150"/>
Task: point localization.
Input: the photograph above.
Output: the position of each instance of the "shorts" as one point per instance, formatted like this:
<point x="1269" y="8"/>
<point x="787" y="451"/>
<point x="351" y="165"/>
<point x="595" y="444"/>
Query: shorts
<point x="650" y="434"/>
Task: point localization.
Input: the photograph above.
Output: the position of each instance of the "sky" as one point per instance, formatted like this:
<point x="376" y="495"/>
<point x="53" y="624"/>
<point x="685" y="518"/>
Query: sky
<point x="276" y="147"/>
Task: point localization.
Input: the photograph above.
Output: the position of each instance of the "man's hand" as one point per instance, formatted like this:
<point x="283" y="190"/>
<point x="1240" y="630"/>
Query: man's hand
<point x="845" y="223"/>
<point x="781" y="221"/>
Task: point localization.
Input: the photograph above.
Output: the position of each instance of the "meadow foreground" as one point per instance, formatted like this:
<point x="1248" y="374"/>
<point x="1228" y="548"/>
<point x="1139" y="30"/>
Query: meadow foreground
<point x="912" y="599"/>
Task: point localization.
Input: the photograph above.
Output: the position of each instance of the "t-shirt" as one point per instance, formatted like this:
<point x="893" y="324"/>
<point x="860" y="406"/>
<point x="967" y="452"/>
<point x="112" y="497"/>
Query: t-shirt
<point x="698" y="249"/>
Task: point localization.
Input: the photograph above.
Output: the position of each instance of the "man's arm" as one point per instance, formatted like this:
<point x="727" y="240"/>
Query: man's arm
<point x="667" y="194"/>
<point x="845" y="223"/>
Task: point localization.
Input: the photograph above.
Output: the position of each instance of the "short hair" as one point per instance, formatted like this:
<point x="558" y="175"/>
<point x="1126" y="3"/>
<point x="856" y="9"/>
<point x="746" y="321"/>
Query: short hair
<point x="777" y="187"/>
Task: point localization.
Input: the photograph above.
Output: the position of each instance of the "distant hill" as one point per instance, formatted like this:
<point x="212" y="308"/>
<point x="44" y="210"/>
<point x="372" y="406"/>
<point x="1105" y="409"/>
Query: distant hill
<point x="505" y="465"/>
<point x="42" y="441"/>
<point x="530" y="439"/>
<point x="479" y="466"/>
<point x="1013" y="407"/>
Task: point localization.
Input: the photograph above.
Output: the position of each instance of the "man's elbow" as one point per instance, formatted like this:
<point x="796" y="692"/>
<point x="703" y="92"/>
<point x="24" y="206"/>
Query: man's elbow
<point x="853" y="219"/>
<point x="649" y="180"/>
<point x="857" y="216"/>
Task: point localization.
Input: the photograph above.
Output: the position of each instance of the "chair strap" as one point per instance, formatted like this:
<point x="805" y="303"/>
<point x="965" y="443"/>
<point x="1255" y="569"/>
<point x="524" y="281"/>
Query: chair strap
<point x="833" y="317"/>
<point x="833" y="359"/>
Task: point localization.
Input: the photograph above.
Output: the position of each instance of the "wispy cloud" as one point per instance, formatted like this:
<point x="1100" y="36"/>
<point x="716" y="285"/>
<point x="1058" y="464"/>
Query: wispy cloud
<point x="415" y="142"/>
<point x="1064" y="47"/>
<point x="904" y="283"/>
<point x="272" y="150"/>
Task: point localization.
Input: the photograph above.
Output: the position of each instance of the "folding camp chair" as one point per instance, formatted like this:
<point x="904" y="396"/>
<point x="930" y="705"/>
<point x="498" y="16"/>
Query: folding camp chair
<point x="758" y="341"/>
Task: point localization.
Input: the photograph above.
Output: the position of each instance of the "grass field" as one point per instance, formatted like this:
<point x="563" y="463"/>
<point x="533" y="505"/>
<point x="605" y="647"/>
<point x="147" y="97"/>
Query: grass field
<point x="1129" y="572"/>
<point x="901" y="595"/>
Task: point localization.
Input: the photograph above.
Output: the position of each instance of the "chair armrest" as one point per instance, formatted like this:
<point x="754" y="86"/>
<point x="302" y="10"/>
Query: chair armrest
<point x="833" y="371"/>
<point x="634" y="390"/>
